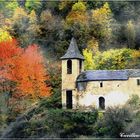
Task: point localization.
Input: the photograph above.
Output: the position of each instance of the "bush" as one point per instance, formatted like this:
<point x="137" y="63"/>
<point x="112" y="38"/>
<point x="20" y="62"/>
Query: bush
<point x="42" y="121"/>
<point x="52" y="123"/>
<point x="72" y="123"/>
<point x="134" y="102"/>
<point x="113" y="122"/>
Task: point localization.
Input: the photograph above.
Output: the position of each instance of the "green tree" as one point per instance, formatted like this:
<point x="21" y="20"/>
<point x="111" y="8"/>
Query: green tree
<point x="33" y="5"/>
<point x="7" y="8"/>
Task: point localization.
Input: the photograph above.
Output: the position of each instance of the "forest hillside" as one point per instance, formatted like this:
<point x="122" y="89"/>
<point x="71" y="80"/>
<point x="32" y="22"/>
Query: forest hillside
<point x="34" y="34"/>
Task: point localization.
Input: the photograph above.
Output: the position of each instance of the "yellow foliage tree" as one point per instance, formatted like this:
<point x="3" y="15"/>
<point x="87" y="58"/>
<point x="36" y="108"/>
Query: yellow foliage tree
<point x="64" y="4"/>
<point x="47" y="20"/>
<point x="4" y="35"/>
<point x="33" y="24"/>
<point x="130" y="34"/>
<point x="101" y="20"/>
<point x="19" y="14"/>
<point x="78" y="14"/>
<point x="112" y="59"/>
<point x="88" y="55"/>
<point x="93" y="45"/>
<point x="79" y="6"/>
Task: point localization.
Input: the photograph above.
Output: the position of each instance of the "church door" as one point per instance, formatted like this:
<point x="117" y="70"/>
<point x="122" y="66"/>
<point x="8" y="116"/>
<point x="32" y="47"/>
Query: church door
<point x="101" y="103"/>
<point x="69" y="99"/>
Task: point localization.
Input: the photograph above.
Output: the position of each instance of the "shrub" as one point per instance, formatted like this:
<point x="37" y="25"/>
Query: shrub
<point x="69" y="123"/>
<point x="113" y="122"/>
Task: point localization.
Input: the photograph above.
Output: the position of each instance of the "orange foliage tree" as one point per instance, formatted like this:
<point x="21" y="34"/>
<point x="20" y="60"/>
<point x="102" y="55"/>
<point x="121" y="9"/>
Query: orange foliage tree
<point x="23" y="71"/>
<point x="34" y="73"/>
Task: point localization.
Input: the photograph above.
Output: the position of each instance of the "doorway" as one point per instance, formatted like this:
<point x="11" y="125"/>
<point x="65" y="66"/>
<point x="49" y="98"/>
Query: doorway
<point x="102" y="103"/>
<point x="69" y="99"/>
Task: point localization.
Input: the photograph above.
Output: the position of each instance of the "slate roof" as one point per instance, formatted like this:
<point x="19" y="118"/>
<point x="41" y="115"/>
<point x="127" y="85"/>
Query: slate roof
<point x="134" y="72"/>
<point x="103" y="75"/>
<point x="73" y="51"/>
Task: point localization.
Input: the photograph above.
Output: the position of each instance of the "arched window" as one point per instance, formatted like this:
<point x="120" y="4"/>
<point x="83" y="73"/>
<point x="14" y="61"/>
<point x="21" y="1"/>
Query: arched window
<point x="69" y="67"/>
<point x="101" y="103"/>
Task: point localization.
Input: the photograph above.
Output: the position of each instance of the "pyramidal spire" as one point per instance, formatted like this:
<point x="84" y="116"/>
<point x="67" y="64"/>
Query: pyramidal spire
<point x="73" y="51"/>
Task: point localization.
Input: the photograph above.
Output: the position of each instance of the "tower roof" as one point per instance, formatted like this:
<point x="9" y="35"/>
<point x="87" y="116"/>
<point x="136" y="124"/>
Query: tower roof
<point x="73" y="51"/>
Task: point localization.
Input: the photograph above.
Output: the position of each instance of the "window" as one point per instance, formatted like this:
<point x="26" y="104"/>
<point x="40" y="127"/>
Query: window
<point x="138" y="81"/>
<point x="80" y="66"/>
<point x="69" y="99"/>
<point x="69" y="67"/>
<point x="101" y="103"/>
<point x="101" y="84"/>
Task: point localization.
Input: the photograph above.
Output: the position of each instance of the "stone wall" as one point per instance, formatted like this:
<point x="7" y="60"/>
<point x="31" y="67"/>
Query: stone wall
<point x="69" y="81"/>
<point x="114" y="92"/>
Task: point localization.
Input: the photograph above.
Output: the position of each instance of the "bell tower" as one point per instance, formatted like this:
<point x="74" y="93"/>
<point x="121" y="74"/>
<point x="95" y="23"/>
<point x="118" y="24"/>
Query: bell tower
<point x="72" y="66"/>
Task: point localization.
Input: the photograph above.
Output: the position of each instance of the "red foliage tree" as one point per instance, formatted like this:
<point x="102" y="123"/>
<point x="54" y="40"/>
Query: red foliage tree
<point x="24" y="69"/>
<point x="9" y="52"/>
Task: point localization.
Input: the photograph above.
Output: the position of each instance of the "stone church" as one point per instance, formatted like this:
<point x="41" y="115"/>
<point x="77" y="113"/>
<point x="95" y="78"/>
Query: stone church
<point x="95" y="88"/>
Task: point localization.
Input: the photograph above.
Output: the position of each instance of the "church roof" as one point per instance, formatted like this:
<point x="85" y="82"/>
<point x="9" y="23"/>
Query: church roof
<point x="73" y="51"/>
<point x="103" y="75"/>
<point x="134" y="72"/>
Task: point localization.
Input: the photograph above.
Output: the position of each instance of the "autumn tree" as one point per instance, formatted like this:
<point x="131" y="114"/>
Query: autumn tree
<point x="22" y="74"/>
<point x="47" y="22"/>
<point x="134" y="63"/>
<point x="77" y="23"/>
<point x="4" y="35"/>
<point x="25" y="27"/>
<point x="130" y="34"/>
<point x="65" y="7"/>
<point x="33" y="28"/>
<point x="19" y="24"/>
<point x="93" y="45"/>
<point x="89" y="53"/>
<point x="52" y="27"/>
<point x="88" y="62"/>
<point x="111" y="59"/>
<point x="9" y="53"/>
<point x="101" y="23"/>
<point x="35" y="75"/>
<point x="77" y="14"/>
